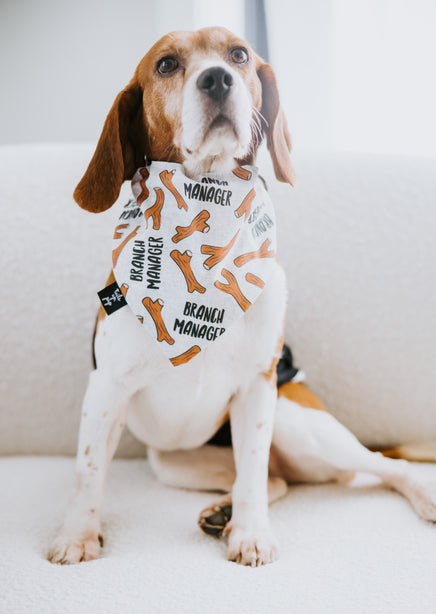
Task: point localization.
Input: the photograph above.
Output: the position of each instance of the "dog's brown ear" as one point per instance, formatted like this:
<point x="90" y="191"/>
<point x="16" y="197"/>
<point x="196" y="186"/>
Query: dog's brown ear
<point x="116" y="156"/>
<point x="277" y="132"/>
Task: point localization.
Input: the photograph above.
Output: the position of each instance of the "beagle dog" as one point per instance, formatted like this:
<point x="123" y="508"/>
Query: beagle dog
<point x="200" y="103"/>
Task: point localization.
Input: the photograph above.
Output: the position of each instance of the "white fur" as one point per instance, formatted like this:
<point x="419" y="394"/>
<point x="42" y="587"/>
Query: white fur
<point x="313" y="447"/>
<point x="175" y="410"/>
<point x="203" y="146"/>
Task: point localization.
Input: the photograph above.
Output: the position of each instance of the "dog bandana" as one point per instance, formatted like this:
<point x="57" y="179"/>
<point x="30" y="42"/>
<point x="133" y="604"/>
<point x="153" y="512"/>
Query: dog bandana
<point x="190" y="257"/>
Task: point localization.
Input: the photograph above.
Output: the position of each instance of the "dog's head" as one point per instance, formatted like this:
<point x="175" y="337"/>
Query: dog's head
<point x="204" y="99"/>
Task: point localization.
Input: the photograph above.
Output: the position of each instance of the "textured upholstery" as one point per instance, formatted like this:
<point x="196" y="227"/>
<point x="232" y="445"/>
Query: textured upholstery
<point x="357" y="238"/>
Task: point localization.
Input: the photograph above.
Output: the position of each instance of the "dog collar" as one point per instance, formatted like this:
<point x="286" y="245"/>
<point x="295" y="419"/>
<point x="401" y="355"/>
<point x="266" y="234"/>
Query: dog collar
<point x="191" y="256"/>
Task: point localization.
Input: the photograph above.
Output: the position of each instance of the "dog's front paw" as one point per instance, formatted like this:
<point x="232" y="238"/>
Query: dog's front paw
<point x="253" y="548"/>
<point x="67" y="551"/>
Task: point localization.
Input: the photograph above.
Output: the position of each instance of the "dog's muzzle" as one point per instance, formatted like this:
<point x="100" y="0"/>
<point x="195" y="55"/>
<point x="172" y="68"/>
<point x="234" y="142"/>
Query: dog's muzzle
<point x="216" y="83"/>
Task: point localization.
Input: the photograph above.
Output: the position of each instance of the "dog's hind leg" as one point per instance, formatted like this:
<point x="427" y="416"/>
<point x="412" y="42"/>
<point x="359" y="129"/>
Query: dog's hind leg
<point x="207" y="468"/>
<point x="310" y="445"/>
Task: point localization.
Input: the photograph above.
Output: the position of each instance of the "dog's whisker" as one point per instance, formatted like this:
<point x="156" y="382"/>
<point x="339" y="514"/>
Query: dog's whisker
<point x="257" y="134"/>
<point x="261" y="117"/>
<point x="256" y="122"/>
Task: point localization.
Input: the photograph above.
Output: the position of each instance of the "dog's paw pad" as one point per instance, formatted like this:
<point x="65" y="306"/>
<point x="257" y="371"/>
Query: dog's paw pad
<point x="213" y="520"/>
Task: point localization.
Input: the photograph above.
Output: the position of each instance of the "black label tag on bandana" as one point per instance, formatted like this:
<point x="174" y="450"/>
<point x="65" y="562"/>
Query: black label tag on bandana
<point x="112" y="298"/>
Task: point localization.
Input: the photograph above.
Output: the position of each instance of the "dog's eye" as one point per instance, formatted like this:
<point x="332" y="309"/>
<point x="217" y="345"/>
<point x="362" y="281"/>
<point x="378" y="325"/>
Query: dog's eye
<point x="167" y="65"/>
<point x="239" y="55"/>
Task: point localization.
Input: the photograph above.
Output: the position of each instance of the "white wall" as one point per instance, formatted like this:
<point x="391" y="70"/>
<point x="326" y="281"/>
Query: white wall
<point x="300" y="52"/>
<point x="357" y="75"/>
<point x="354" y="74"/>
<point x="62" y="63"/>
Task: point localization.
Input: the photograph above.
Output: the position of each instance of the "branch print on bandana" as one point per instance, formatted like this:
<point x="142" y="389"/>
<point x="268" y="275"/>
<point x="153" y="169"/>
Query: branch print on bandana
<point x="180" y="296"/>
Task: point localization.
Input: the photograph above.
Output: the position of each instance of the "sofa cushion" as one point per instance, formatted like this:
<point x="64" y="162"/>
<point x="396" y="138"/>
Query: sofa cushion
<point x="356" y="237"/>
<point x="358" y="548"/>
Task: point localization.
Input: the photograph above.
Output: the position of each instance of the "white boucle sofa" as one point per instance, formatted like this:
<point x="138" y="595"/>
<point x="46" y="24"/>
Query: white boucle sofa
<point x="357" y="238"/>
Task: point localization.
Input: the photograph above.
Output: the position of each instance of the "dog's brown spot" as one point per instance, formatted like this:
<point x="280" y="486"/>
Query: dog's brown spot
<point x="301" y="394"/>
<point x="86" y="451"/>
<point x="271" y="374"/>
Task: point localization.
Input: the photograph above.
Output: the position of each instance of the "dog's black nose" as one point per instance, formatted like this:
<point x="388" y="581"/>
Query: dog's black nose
<point x="215" y="82"/>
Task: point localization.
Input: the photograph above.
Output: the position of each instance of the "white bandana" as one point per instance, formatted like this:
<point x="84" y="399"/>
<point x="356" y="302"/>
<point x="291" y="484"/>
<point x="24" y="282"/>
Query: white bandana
<point x="191" y="256"/>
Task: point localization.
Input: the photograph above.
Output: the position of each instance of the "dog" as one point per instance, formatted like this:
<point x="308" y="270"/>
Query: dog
<point x="201" y="103"/>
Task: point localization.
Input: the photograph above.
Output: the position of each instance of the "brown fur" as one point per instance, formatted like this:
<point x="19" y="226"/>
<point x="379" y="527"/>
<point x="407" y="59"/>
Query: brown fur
<point x="301" y="394"/>
<point x="421" y="451"/>
<point x="271" y="374"/>
<point x="145" y="119"/>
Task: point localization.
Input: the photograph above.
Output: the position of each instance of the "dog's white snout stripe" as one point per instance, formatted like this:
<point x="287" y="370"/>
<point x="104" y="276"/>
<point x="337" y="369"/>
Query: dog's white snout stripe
<point x="214" y="86"/>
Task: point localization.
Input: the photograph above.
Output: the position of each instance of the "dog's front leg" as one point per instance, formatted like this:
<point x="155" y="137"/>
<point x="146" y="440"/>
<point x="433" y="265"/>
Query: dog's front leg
<point x="251" y="541"/>
<point x="103" y="416"/>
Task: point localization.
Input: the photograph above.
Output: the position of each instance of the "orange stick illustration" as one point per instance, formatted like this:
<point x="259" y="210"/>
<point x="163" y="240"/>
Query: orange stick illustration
<point x="144" y="190"/>
<point x="216" y="253"/>
<point x="154" y="308"/>
<point x="262" y="252"/>
<point x="124" y="289"/>
<point x="154" y="210"/>
<point x="232" y="288"/>
<point x="140" y="318"/>
<point x="181" y="359"/>
<point x="116" y="252"/>
<point x="167" y="179"/>
<point x="245" y="206"/>
<point x="255" y="280"/>
<point x="183" y="261"/>
<point x="117" y="233"/>
<point x="242" y="173"/>
<point x="197" y="224"/>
